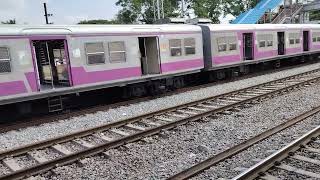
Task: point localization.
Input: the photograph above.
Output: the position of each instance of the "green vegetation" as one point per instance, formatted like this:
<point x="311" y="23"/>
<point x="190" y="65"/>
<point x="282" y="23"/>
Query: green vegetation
<point x="11" y="21"/>
<point x="314" y="15"/>
<point x="142" y="11"/>
<point x="98" y="21"/>
<point x="212" y="9"/>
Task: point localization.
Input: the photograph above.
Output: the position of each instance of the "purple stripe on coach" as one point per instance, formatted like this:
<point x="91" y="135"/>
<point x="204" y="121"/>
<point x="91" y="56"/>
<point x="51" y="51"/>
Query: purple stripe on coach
<point x="266" y="54"/>
<point x="315" y="47"/>
<point x="293" y="50"/>
<point x="226" y="59"/>
<point x="81" y="76"/>
<point x="31" y="77"/>
<point x="12" y="88"/>
<point x="182" y="65"/>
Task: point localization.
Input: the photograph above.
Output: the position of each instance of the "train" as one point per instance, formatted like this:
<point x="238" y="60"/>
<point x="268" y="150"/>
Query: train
<point x="53" y="62"/>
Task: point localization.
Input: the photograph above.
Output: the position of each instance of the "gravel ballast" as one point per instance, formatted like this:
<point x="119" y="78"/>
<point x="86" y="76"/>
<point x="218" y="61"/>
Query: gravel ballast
<point x="29" y="135"/>
<point x="232" y="167"/>
<point x="163" y="155"/>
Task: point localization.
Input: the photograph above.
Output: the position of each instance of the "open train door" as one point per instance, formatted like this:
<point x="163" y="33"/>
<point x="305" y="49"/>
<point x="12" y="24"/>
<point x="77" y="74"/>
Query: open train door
<point x="52" y="60"/>
<point x="305" y="40"/>
<point x="150" y="56"/>
<point x="281" y="43"/>
<point x="248" y="48"/>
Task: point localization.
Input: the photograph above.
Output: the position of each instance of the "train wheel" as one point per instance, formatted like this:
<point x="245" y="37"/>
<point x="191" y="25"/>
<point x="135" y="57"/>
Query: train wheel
<point x="277" y="64"/>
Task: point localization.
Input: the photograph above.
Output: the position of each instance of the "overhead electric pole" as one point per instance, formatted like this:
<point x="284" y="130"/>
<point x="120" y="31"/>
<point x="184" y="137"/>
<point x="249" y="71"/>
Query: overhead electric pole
<point x="158" y="5"/>
<point x="46" y="15"/>
<point x="182" y="8"/>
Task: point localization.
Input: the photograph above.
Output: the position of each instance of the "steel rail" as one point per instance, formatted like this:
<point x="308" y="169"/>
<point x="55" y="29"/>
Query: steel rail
<point x="278" y="156"/>
<point x="140" y="135"/>
<point x="35" y="121"/>
<point x="211" y="161"/>
<point x="89" y="131"/>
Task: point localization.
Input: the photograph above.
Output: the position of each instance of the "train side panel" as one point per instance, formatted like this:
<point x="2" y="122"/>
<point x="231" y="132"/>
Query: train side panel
<point x="17" y="73"/>
<point x="188" y="56"/>
<point x="84" y="72"/>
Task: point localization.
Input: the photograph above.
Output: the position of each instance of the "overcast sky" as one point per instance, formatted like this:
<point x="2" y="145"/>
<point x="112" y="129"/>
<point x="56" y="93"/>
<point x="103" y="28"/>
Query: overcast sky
<point x="64" y="11"/>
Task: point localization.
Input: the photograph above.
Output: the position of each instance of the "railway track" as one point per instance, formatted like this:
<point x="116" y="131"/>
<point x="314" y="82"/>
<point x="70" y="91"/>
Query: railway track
<point x="298" y="160"/>
<point x="43" y="156"/>
<point x="35" y="121"/>
<point x="258" y="171"/>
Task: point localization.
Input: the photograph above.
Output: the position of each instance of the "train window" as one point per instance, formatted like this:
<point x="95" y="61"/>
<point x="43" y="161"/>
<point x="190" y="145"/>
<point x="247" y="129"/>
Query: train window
<point x="222" y="47"/>
<point x="316" y="37"/>
<point x="262" y="43"/>
<point x="232" y="47"/>
<point x="294" y="38"/>
<point x="190" y="46"/>
<point x="117" y="52"/>
<point x="265" y="40"/>
<point x="175" y="47"/>
<point x="5" y="65"/>
<point x="222" y="44"/>
<point x="95" y="53"/>
<point x="232" y="41"/>
<point x="291" y="41"/>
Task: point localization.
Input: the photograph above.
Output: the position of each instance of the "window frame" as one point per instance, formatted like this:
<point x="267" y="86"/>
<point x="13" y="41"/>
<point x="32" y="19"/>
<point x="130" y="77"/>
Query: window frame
<point x="181" y="53"/>
<point x="7" y="60"/>
<point x="124" y="52"/>
<point x="267" y="39"/>
<point x="233" y="44"/>
<point x="314" y="39"/>
<point x="225" y="49"/>
<point x="194" y="47"/>
<point x="232" y="40"/>
<point x="95" y="53"/>
<point x="295" y="37"/>
<point x="262" y="41"/>
<point x="269" y="43"/>
<point x="294" y="41"/>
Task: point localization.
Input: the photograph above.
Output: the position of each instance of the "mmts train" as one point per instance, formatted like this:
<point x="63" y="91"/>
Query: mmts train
<point x="51" y="63"/>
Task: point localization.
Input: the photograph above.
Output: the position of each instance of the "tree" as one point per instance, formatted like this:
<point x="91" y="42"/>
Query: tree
<point x="134" y="11"/>
<point x="314" y="15"/>
<point x="10" y="21"/>
<point x="213" y="9"/>
<point x="206" y="9"/>
<point x="98" y="21"/>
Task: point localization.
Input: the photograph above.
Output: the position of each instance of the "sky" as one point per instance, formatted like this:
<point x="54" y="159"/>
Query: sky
<point x="64" y="11"/>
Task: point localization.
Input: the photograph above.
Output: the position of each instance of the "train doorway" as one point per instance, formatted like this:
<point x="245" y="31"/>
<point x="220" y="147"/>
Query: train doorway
<point x="150" y="57"/>
<point x="52" y="63"/>
<point x="281" y="43"/>
<point x="248" y="47"/>
<point x="305" y="40"/>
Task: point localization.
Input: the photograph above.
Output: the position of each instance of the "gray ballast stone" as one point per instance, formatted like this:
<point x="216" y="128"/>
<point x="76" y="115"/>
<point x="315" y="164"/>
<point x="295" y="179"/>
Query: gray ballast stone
<point x="166" y="156"/>
<point x="33" y="134"/>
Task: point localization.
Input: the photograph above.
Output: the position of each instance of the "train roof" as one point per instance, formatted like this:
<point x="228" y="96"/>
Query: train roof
<point x="17" y="30"/>
<point x="240" y="27"/>
<point x="95" y="29"/>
